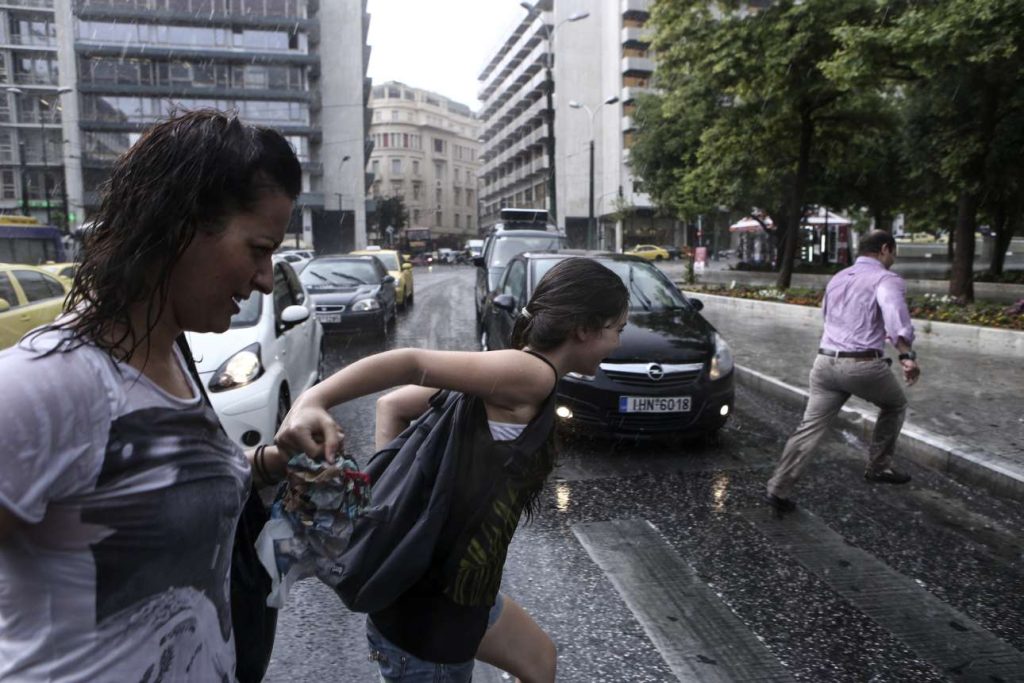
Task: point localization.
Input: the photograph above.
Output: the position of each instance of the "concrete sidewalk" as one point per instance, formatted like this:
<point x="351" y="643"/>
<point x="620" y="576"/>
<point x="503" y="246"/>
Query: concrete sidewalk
<point x="966" y="414"/>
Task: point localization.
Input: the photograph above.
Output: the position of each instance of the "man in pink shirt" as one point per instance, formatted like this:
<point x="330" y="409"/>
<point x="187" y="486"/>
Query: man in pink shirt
<point x="864" y="306"/>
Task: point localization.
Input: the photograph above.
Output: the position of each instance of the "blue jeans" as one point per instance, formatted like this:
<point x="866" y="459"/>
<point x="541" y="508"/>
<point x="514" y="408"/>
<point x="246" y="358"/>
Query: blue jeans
<point x="398" y="666"/>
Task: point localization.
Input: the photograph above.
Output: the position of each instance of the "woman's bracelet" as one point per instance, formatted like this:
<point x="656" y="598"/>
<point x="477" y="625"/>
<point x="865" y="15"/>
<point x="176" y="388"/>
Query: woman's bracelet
<point x="260" y="465"/>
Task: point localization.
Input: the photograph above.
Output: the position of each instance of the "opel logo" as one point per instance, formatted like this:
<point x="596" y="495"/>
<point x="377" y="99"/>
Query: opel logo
<point x="655" y="371"/>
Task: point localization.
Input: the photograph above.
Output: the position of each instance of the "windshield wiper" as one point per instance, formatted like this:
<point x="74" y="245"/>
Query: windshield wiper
<point x="348" y="277"/>
<point x="639" y="292"/>
<point x="318" y="275"/>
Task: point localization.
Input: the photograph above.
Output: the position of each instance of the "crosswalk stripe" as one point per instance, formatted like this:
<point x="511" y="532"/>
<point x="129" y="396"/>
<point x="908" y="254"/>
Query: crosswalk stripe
<point x="936" y="632"/>
<point x="696" y="633"/>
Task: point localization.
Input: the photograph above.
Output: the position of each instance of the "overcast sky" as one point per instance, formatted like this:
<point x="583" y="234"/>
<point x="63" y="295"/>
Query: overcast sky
<point x="439" y="45"/>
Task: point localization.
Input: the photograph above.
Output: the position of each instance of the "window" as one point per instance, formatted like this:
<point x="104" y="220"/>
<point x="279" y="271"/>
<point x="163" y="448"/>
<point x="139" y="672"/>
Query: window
<point x="375" y="165"/>
<point x="7" y="292"/>
<point x="38" y="287"/>
<point x="416" y="191"/>
<point x="415" y="216"/>
<point x="458" y="221"/>
<point x="415" y="167"/>
<point x="438" y="218"/>
<point x="8" y="186"/>
<point x="469" y="197"/>
<point x="458" y="194"/>
<point x="440" y="146"/>
<point x="396" y="167"/>
<point x="395" y="114"/>
<point x="439" y="173"/>
<point x="438" y="194"/>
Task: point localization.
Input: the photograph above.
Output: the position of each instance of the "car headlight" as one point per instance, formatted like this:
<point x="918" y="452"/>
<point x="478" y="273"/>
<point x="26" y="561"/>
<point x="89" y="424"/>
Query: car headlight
<point x="366" y="305"/>
<point x="238" y="370"/>
<point x="576" y="375"/>
<point x="721" y="364"/>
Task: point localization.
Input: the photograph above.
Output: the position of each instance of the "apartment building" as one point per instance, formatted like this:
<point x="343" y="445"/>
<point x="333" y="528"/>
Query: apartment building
<point x="31" y="138"/>
<point x="120" y="65"/>
<point x="426" y="150"/>
<point x="601" y="61"/>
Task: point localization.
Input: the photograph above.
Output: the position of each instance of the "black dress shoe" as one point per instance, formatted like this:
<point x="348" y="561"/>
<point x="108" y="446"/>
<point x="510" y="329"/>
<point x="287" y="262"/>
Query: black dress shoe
<point x="780" y="505"/>
<point x="887" y="476"/>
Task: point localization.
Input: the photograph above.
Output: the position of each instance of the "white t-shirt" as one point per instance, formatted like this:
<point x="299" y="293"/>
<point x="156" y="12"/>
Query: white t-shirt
<point x="131" y="497"/>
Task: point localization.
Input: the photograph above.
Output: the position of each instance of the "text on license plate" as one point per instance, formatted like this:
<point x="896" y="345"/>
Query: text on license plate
<point x="654" y="404"/>
<point x="329" y="317"/>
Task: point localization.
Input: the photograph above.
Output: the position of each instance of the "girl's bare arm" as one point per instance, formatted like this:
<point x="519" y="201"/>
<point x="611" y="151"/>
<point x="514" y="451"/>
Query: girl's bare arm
<point x="397" y="409"/>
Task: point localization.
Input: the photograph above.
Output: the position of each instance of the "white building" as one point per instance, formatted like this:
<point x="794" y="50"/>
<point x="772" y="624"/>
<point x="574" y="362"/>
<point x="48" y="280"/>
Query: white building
<point x="426" y="150"/>
<point x="603" y="56"/>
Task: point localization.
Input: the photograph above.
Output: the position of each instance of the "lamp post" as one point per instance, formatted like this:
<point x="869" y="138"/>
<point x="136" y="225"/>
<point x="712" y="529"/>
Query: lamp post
<point x="549" y="89"/>
<point x="591" y="227"/>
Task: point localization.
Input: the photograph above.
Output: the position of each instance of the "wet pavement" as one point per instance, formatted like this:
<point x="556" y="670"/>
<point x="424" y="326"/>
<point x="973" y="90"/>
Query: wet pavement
<point x="661" y="563"/>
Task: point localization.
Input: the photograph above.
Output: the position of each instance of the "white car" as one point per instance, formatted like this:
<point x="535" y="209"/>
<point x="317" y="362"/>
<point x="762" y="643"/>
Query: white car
<point x="296" y="258"/>
<point x="271" y="353"/>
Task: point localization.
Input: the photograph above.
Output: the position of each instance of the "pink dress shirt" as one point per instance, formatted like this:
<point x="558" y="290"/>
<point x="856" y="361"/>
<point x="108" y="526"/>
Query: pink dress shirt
<point x="864" y="306"/>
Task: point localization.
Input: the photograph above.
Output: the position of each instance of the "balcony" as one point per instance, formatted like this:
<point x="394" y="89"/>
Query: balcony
<point x="628" y="124"/>
<point x="176" y="18"/>
<point x="629" y="94"/>
<point x="31" y="4"/>
<point x="636" y="37"/>
<point x="636" y="9"/>
<point x="637" y="66"/>
<point x="16" y="41"/>
<point x="167" y="52"/>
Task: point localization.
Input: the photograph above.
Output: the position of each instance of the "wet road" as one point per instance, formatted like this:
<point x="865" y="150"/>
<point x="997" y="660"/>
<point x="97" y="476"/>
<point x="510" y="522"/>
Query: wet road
<point x="660" y="563"/>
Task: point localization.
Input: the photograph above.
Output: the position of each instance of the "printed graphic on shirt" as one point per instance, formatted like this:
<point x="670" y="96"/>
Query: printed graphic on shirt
<point x="171" y="487"/>
<point x="482" y="560"/>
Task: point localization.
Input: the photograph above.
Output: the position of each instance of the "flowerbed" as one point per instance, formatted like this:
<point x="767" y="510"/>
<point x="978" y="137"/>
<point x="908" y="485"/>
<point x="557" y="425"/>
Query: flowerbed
<point x="927" y="307"/>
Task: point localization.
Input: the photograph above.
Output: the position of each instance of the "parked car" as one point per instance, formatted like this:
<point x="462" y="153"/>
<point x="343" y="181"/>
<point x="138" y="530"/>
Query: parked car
<point x="271" y="353"/>
<point x="29" y="297"/>
<point x="673" y="373"/>
<point x="673" y="251"/>
<point x="399" y="267"/>
<point x="352" y="293"/>
<point x="651" y="252"/>
<point x="501" y="246"/>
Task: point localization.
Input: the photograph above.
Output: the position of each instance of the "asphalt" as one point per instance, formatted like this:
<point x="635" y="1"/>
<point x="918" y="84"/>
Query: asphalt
<point x="966" y="414"/>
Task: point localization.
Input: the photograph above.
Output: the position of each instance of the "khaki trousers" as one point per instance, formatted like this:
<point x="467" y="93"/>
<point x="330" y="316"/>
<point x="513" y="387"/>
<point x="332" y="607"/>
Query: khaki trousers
<point x="832" y="382"/>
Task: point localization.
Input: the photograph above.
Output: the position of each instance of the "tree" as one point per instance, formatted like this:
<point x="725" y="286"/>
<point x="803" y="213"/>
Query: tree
<point x="391" y="211"/>
<point x="760" y="124"/>
<point x="958" y="65"/>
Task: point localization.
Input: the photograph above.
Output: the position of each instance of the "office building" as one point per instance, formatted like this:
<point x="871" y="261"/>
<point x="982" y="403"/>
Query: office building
<point x="426" y="150"/>
<point x="125" y="64"/>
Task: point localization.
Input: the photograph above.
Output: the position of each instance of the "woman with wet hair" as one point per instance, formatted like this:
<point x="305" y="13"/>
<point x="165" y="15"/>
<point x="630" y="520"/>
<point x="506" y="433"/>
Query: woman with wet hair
<point x="454" y="614"/>
<point x="120" y="493"/>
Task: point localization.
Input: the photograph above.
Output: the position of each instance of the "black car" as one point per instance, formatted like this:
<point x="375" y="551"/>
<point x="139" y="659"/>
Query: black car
<point x="673" y="373"/>
<point x="351" y="293"/>
<point x="500" y="246"/>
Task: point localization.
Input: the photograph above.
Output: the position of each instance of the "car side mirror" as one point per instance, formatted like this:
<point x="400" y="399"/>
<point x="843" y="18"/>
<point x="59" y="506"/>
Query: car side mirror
<point x="406" y="266"/>
<point x="4" y="305"/>
<point x="505" y="302"/>
<point x="388" y="279"/>
<point x="293" y="315"/>
<point x="697" y="304"/>
<point x="478" y="261"/>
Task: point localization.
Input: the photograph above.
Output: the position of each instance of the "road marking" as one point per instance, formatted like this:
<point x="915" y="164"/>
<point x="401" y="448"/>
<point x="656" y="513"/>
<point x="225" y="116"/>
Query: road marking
<point x="936" y="632"/>
<point x="697" y="634"/>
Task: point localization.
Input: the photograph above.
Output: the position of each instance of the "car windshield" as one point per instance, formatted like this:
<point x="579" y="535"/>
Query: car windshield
<point x="248" y="311"/>
<point x="390" y="261"/>
<point x="649" y="290"/>
<point x="508" y="247"/>
<point x="339" y="274"/>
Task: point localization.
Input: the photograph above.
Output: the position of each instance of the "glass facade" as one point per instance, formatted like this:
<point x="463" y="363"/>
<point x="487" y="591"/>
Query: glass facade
<point x="107" y="32"/>
<point x="190" y="74"/>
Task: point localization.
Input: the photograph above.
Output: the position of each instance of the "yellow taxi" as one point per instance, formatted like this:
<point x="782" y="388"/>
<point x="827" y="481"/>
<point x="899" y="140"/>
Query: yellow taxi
<point x="65" y="271"/>
<point x="29" y="297"/>
<point x="651" y="252"/>
<point x="398" y="267"/>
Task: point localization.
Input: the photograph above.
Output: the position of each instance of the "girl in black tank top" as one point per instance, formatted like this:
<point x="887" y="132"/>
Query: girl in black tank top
<point x="454" y="613"/>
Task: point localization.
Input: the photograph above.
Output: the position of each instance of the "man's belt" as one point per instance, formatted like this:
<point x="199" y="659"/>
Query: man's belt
<point x="872" y="353"/>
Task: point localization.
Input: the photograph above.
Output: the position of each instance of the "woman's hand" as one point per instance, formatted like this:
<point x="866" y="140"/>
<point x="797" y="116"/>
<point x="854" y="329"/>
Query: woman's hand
<point x="310" y="429"/>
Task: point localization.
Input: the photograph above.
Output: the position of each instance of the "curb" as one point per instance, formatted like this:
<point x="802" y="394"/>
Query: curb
<point x="974" y="467"/>
<point x="971" y="337"/>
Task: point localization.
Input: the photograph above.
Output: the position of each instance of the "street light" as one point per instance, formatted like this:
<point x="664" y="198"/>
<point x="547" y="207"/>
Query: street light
<point x="591" y="226"/>
<point x="549" y="88"/>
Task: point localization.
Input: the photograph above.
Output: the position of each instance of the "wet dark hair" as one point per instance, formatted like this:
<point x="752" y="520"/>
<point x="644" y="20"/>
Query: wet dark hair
<point x="576" y="294"/>
<point x="873" y="242"/>
<point x="187" y="174"/>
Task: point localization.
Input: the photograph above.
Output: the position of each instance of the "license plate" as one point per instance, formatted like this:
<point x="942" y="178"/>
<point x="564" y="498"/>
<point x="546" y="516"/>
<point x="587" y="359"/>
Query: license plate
<point x="654" y="404"/>
<point x="329" y="317"/>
